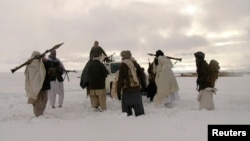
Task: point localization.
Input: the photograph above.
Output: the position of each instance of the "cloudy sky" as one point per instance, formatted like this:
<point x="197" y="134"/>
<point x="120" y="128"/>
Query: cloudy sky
<point x="220" y="28"/>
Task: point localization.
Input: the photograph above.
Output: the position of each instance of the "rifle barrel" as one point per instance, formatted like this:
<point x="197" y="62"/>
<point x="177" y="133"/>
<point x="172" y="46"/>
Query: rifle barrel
<point x="70" y="70"/>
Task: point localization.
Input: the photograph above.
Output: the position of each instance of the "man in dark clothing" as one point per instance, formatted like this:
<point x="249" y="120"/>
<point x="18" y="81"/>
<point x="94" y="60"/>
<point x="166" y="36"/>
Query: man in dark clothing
<point x="56" y="80"/>
<point x="203" y="80"/>
<point x="129" y="85"/>
<point x="205" y="85"/>
<point x="97" y="74"/>
<point x="96" y="50"/>
<point x="151" y="88"/>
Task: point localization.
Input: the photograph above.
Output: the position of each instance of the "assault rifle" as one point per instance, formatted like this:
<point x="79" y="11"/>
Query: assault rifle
<point x="109" y="58"/>
<point x="66" y="73"/>
<point x="35" y="57"/>
<point x="178" y="59"/>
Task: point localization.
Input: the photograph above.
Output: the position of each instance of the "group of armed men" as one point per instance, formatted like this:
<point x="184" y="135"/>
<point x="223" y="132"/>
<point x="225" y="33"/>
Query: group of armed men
<point x="43" y="80"/>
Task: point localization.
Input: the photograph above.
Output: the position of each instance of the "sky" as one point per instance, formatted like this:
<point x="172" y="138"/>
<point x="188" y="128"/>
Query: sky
<point x="219" y="28"/>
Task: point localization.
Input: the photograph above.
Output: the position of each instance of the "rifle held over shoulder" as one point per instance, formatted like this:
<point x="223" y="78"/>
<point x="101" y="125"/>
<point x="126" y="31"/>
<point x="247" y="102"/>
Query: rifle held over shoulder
<point x="35" y="57"/>
<point x="178" y="59"/>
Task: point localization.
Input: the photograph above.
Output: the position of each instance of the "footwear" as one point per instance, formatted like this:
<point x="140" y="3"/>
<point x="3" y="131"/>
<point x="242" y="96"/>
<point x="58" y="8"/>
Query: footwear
<point x="101" y="110"/>
<point x="169" y="105"/>
<point x="95" y="109"/>
<point x="98" y="109"/>
<point x="148" y="100"/>
<point x="53" y="107"/>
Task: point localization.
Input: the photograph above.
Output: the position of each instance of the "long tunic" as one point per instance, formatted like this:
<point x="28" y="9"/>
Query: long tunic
<point x="165" y="80"/>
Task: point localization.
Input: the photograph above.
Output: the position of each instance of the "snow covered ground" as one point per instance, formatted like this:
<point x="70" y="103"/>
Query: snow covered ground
<point x="76" y="121"/>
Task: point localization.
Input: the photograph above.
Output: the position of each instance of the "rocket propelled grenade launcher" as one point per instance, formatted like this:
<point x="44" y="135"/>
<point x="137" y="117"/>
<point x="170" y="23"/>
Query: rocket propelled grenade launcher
<point x="36" y="57"/>
<point x="178" y="59"/>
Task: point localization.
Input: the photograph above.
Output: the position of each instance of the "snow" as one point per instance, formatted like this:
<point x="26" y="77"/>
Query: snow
<point x="77" y="121"/>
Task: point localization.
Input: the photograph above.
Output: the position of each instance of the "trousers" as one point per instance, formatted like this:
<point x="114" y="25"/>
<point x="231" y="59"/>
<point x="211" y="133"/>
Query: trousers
<point x="56" y="87"/>
<point x="98" y="98"/>
<point x="39" y="104"/>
